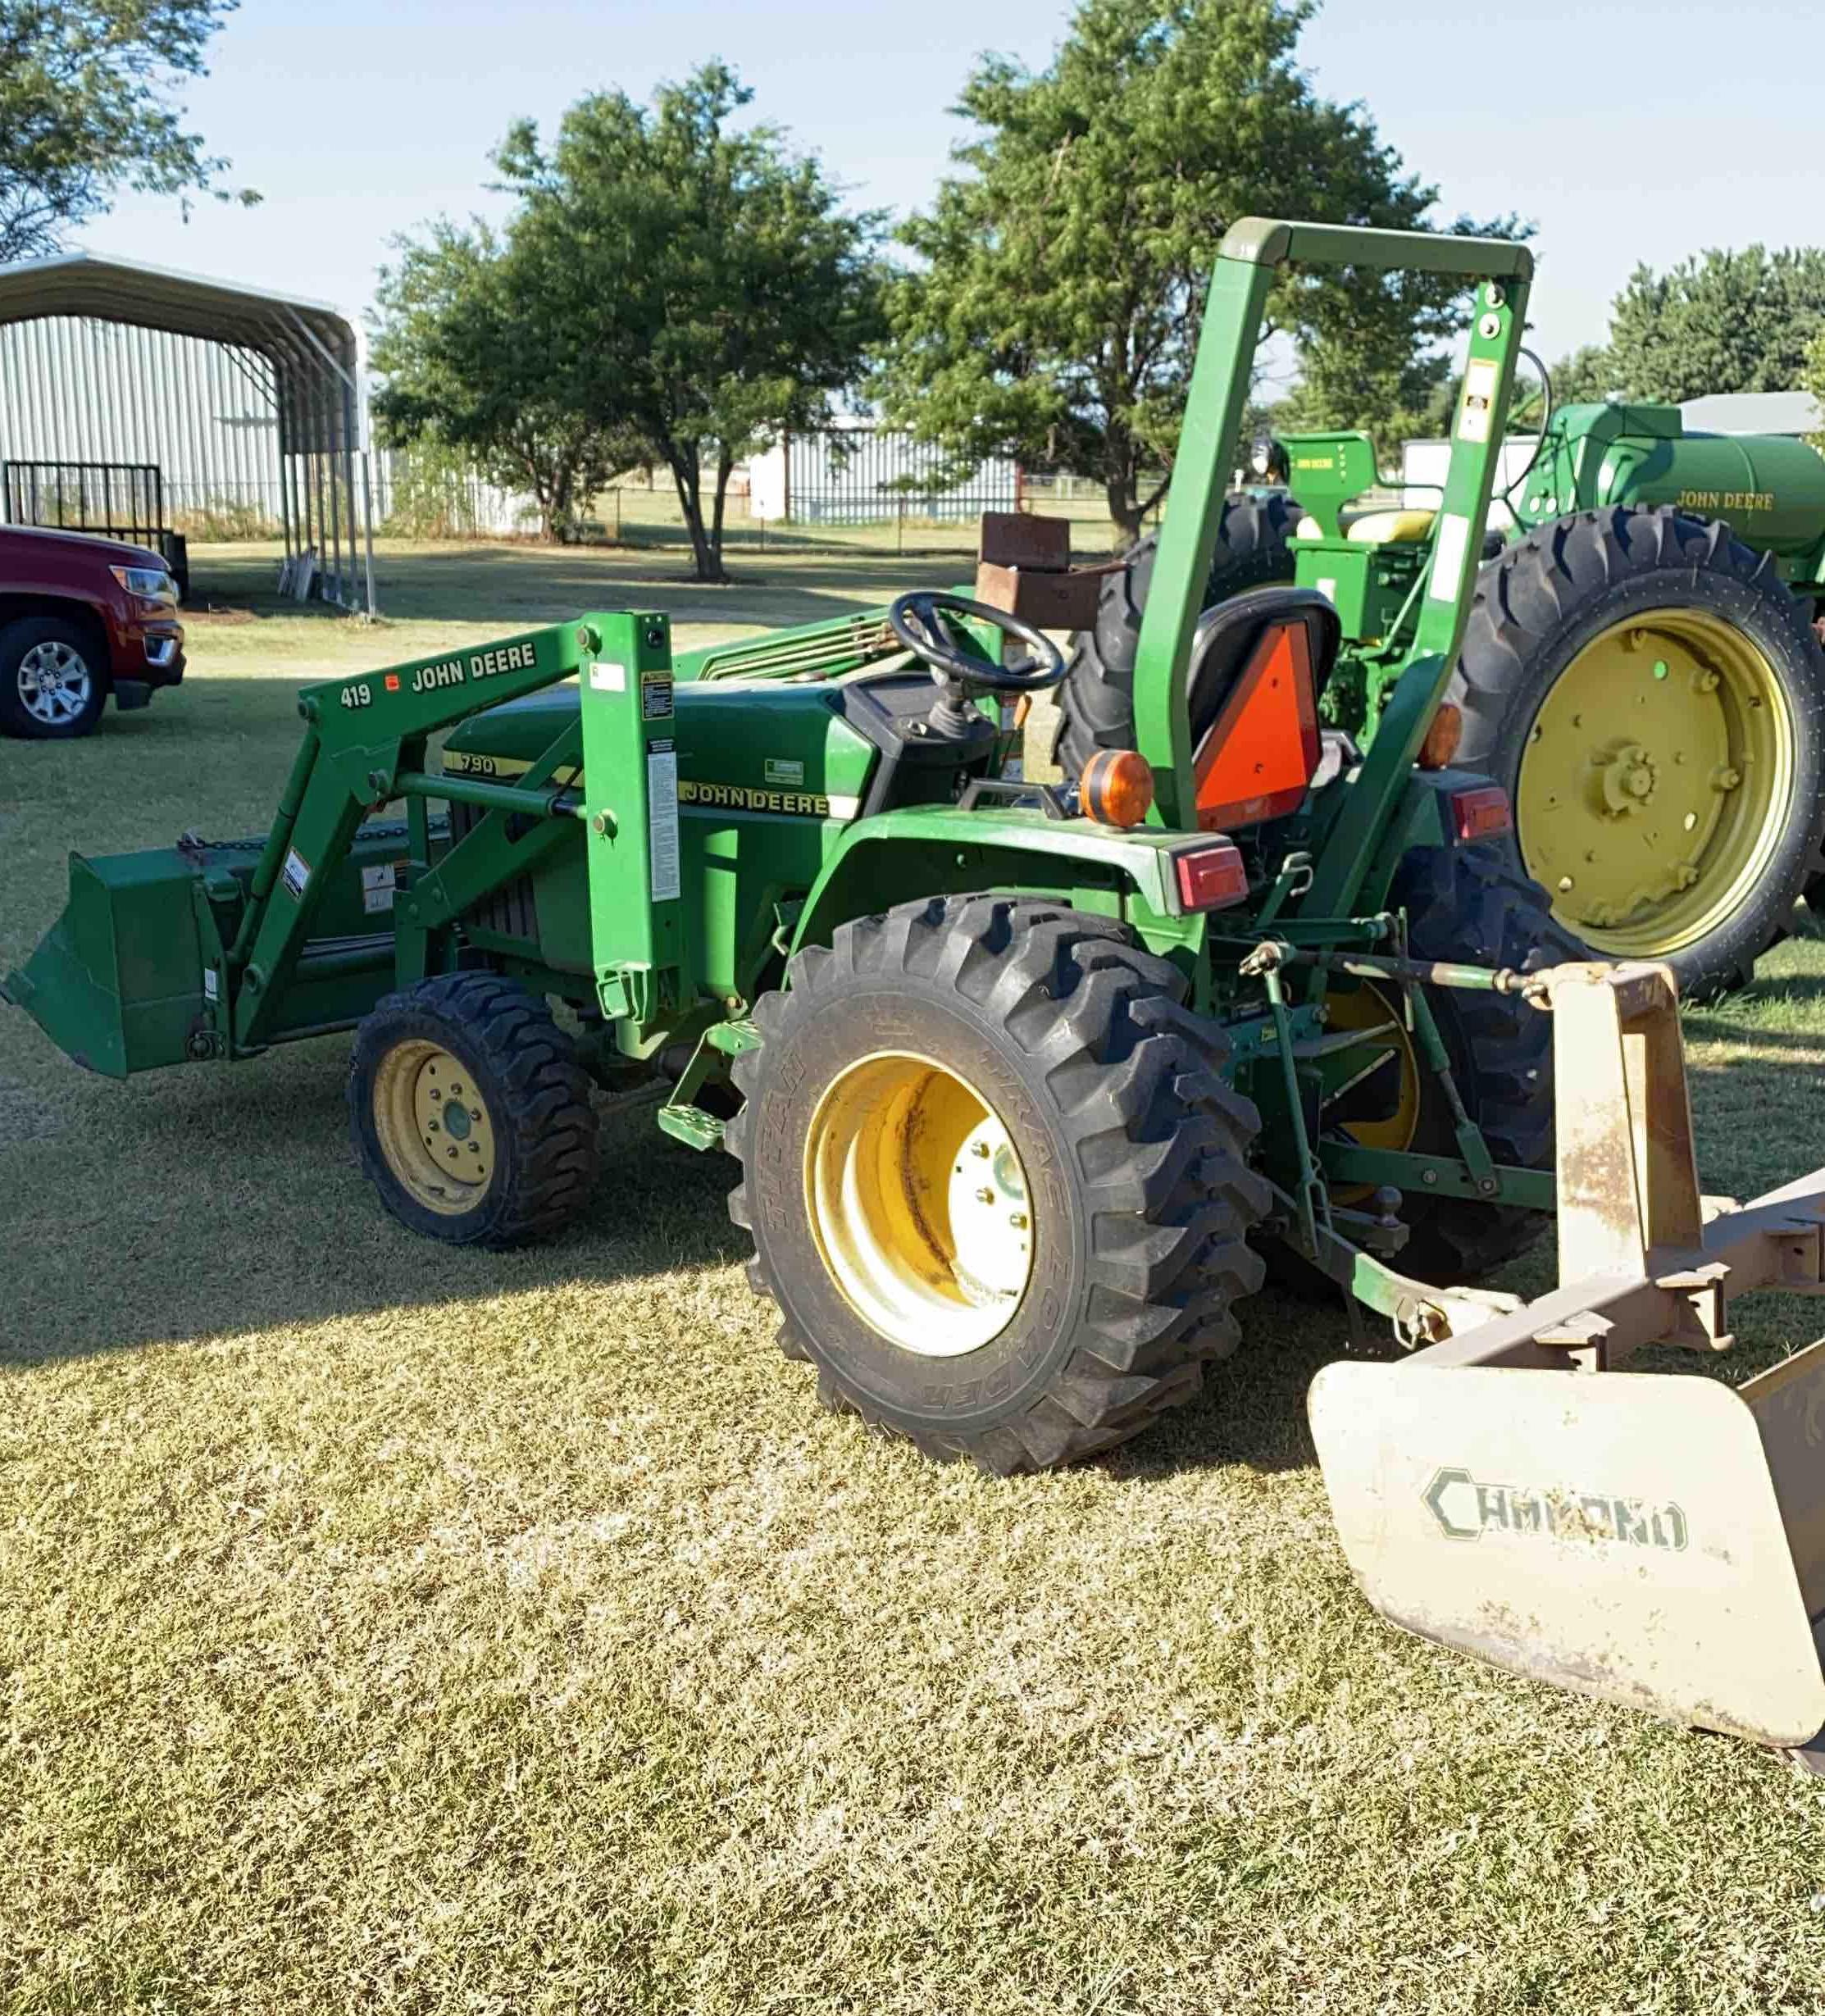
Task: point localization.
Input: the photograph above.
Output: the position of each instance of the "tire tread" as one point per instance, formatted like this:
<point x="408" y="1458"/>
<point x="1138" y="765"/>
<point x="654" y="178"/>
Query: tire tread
<point x="1160" y="1145"/>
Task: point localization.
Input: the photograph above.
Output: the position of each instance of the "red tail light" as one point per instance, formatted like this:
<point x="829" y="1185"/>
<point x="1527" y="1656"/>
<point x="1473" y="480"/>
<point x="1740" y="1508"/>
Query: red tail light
<point x="1210" y="878"/>
<point x="1260" y="751"/>
<point x="1480" y="810"/>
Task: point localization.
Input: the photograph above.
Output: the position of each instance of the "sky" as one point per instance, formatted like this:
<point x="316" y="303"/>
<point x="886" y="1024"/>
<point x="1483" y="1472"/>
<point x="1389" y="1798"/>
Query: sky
<point x="1625" y="134"/>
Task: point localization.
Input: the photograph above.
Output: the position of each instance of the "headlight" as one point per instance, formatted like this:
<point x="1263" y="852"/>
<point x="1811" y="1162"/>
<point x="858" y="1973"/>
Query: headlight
<point x="149" y="583"/>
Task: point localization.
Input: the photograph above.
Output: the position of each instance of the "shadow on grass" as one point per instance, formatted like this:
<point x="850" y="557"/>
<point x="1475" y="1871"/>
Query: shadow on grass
<point x="1252" y="1409"/>
<point x="508" y="584"/>
<point x="214" y="1202"/>
<point x="157" y="1215"/>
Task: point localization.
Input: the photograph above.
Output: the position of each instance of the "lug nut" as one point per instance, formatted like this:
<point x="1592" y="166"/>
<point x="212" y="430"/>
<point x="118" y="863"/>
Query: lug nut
<point x="982" y="1149"/>
<point x="985" y="1196"/>
<point x="1018" y="1219"/>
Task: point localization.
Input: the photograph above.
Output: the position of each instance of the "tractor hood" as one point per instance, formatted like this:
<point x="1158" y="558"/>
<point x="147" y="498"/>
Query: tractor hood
<point x="763" y="748"/>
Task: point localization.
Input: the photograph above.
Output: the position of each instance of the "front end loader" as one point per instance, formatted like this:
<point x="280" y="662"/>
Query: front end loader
<point x="1029" y="1084"/>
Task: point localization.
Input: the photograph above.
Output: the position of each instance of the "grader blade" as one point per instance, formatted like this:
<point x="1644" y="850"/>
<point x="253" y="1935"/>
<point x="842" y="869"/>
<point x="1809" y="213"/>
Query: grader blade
<point x="1656" y="1540"/>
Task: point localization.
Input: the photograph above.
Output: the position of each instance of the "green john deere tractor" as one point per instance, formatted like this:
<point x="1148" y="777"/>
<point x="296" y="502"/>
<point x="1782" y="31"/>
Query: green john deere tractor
<point x="1018" y="1078"/>
<point x="1639" y="669"/>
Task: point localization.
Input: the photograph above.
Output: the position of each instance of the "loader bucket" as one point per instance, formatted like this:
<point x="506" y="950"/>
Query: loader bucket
<point x="117" y="981"/>
<point x="1655" y="1539"/>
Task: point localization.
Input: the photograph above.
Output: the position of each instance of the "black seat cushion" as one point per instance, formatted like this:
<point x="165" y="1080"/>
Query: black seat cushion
<point x="1226" y="636"/>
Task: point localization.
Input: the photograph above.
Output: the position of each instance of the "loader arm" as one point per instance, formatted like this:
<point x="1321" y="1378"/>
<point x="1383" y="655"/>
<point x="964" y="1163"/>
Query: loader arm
<point x="365" y="745"/>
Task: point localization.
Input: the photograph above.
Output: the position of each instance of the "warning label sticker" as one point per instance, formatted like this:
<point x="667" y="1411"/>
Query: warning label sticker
<point x="1449" y="548"/>
<point x="661" y="819"/>
<point x="1478" y="412"/>
<point x="656" y="696"/>
<point x="296" y="874"/>
<point x="380" y="885"/>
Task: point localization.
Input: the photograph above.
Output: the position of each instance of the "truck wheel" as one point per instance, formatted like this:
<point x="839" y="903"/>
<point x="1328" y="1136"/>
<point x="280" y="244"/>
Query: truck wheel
<point x="1654" y="699"/>
<point x="470" y="1113"/>
<point x="52" y="686"/>
<point x="996" y="1182"/>
<point x="1096" y="706"/>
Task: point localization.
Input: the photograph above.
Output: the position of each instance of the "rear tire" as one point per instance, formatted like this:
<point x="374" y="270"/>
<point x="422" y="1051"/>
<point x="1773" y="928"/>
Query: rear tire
<point x="469" y="1113"/>
<point x="1465" y="904"/>
<point x="1061" y="1306"/>
<point x="1096" y="704"/>
<point x="53" y="682"/>
<point x="1641" y="855"/>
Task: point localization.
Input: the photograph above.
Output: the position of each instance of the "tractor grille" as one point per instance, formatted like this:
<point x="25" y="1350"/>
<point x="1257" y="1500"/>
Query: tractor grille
<point x="821" y="653"/>
<point x="509" y="910"/>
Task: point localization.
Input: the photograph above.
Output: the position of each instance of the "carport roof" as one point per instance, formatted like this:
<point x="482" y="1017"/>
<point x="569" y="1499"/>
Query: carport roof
<point x="121" y="290"/>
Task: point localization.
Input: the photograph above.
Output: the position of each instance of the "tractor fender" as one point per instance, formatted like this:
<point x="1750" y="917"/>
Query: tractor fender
<point x="938" y="850"/>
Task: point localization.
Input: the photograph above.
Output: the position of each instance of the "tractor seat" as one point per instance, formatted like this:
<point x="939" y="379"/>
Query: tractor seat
<point x="1379" y="527"/>
<point x="1227" y="636"/>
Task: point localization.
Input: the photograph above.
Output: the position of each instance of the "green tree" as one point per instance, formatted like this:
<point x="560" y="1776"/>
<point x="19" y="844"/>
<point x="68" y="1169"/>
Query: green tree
<point x="699" y="284"/>
<point x="1585" y="376"/>
<point x="460" y="338"/>
<point x="1812" y="380"/>
<point x="1726" y="322"/>
<point x="1064" y="268"/>
<point x="85" y="108"/>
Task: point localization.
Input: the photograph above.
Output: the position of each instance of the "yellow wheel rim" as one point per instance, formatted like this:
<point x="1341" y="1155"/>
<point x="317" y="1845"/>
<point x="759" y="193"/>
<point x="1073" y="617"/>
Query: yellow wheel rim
<point x="1366" y="1008"/>
<point x="919" y="1204"/>
<point x="433" y="1127"/>
<point x="1654" y="780"/>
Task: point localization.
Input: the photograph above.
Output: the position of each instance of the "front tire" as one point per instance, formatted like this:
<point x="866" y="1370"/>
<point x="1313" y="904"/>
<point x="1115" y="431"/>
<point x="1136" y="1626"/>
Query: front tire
<point x="469" y="1113"/>
<point x="996" y="1182"/>
<point x="53" y="681"/>
<point x="1653" y="698"/>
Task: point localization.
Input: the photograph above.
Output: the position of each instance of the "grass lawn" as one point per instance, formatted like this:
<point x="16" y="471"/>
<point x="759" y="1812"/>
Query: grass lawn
<point x="392" y="1628"/>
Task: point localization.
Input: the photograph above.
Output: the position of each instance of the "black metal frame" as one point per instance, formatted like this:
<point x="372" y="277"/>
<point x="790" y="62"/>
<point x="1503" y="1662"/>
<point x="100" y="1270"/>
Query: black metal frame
<point x="37" y="493"/>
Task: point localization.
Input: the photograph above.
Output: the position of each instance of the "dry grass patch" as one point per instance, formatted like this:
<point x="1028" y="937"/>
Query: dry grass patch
<point x="390" y="1628"/>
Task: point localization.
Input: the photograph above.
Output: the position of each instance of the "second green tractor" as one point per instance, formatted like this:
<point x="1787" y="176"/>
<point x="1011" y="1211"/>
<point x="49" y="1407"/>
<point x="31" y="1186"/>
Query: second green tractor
<point x="1640" y="668"/>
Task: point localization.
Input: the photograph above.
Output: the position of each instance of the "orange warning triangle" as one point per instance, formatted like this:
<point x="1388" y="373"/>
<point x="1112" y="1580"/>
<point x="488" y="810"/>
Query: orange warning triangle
<point x="1258" y="755"/>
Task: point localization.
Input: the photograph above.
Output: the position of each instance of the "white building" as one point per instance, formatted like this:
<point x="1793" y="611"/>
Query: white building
<point x="856" y="473"/>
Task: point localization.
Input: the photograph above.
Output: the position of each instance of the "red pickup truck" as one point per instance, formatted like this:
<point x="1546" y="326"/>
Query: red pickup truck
<point x="80" y="618"/>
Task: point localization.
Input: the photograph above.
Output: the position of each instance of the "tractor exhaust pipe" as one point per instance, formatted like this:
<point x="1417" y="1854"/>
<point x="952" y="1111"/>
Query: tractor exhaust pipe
<point x="1655" y="1542"/>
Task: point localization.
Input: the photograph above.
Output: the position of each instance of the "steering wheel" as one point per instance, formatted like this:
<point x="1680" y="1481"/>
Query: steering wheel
<point x="918" y="621"/>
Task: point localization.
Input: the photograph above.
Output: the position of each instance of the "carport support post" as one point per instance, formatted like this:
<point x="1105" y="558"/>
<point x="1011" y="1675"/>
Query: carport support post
<point x="367" y="517"/>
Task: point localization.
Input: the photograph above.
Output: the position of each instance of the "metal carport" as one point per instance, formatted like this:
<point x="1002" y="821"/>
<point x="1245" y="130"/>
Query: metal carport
<point x="300" y="360"/>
